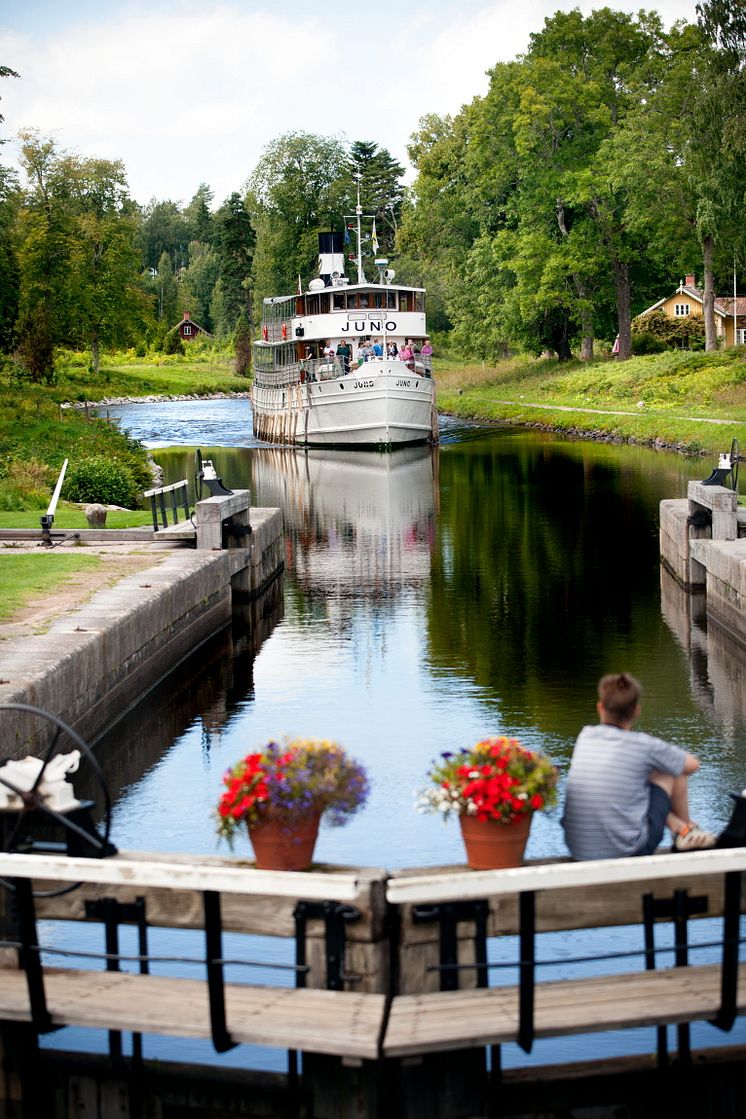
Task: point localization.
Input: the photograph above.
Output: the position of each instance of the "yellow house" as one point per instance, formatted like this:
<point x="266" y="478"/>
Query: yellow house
<point x="730" y="313"/>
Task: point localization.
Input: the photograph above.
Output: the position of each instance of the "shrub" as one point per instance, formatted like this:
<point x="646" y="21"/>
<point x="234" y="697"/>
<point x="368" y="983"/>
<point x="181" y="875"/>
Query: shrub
<point x="647" y="343"/>
<point x="26" y="484"/>
<point x="687" y="332"/>
<point x="101" y="479"/>
<point x="172" y="344"/>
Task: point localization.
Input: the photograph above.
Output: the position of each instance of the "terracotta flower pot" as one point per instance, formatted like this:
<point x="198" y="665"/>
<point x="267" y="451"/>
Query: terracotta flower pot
<point x="283" y="845"/>
<point x="492" y="845"/>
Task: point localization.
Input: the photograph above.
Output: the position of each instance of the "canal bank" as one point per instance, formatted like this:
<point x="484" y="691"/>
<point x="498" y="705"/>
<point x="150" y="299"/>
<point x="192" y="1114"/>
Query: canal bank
<point x="703" y="545"/>
<point x="93" y="663"/>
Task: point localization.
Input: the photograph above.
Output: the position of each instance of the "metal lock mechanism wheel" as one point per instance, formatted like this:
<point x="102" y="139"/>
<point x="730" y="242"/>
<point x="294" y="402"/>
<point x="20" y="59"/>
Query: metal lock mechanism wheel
<point x="39" y="813"/>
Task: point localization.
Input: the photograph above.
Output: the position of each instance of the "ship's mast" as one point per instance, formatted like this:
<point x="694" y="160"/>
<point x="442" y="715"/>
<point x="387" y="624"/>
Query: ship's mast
<point x="358" y="215"/>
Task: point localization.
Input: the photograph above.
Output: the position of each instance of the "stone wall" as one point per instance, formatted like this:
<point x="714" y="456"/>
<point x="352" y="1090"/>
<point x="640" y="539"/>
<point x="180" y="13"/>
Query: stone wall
<point x="93" y="664"/>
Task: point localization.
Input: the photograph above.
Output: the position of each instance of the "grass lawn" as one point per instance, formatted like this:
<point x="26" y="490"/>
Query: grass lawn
<point x="690" y="401"/>
<point x="122" y="375"/>
<point x="25" y="577"/>
<point x="72" y="516"/>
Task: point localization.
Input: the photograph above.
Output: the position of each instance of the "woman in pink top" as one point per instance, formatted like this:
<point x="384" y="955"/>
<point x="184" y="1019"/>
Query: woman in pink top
<point x="406" y="354"/>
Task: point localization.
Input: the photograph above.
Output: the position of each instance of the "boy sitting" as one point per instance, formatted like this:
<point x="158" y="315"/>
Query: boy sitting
<point x="624" y="787"/>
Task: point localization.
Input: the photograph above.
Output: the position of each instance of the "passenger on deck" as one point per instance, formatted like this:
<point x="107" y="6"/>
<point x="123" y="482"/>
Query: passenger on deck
<point x="406" y="353"/>
<point x="624" y="786"/>
<point x="377" y="348"/>
<point x="344" y="353"/>
<point x="393" y="350"/>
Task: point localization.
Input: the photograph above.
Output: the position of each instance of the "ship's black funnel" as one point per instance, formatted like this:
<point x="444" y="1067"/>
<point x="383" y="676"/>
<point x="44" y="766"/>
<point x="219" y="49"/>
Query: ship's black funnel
<point x="330" y="242"/>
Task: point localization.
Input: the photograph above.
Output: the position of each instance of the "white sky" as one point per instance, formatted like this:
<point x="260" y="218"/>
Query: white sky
<point x="188" y="92"/>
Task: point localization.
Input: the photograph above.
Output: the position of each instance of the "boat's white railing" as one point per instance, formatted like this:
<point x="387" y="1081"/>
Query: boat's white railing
<point x="323" y="368"/>
<point x="278" y="378"/>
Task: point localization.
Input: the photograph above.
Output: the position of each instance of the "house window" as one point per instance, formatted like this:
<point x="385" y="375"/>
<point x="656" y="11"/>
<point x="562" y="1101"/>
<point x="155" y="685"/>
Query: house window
<point x="187" y="330"/>
<point x="681" y="310"/>
<point x="741" y="336"/>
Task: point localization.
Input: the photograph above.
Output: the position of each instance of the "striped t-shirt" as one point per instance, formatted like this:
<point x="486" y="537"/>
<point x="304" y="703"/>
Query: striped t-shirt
<point x="606" y="802"/>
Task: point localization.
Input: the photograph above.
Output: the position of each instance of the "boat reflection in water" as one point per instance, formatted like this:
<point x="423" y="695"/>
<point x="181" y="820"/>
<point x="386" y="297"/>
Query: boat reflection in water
<point x="359" y="524"/>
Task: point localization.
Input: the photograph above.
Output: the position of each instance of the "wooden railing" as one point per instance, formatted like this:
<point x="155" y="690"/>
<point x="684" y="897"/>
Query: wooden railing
<point x="386" y="966"/>
<point x="178" y="498"/>
<point x="530" y="900"/>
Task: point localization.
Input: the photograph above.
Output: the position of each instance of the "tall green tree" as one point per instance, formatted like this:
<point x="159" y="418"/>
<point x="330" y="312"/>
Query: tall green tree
<point x="235" y="241"/>
<point x="196" y="283"/>
<point x="164" y="228"/>
<point x="45" y="245"/>
<point x="79" y="260"/>
<point x="297" y="189"/>
<point x="438" y="226"/>
<point x="9" y="270"/>
<point x="716" y="151"/>
<point x="198" y="215"/>
<point x="541" y="232"/>
<point x="167" y="291"/>
<point x="379" y="177"/>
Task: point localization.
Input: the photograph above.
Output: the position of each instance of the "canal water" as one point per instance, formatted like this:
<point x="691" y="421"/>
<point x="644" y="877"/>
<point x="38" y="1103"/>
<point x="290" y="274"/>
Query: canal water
<point x="431" y="597"/>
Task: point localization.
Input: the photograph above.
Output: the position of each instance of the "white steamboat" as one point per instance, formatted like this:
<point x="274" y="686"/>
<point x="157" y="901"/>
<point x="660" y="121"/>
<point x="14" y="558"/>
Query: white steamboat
<point x="342" y="364"/>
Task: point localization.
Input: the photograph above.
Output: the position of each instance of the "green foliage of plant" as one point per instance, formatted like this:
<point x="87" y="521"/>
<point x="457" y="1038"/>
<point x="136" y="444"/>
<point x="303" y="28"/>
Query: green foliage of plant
<point x="99" y="479"/>
<point x="687" y="332"/>
<point x="173" y="343"/>
<point x="645" y="342"/>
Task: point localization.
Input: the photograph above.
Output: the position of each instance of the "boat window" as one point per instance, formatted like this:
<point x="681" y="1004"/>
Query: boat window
<point x="339" y="301"/>
<point x="364" y="299"/>
<point x="419" y="301"/>
<point x="391" y="299"/>
<point x="312" y="305"/>
<point x="403" y="301"/>
<point x="300" y="305"/>
<point x="377" y="299"/>
<point x="351" y="301"/>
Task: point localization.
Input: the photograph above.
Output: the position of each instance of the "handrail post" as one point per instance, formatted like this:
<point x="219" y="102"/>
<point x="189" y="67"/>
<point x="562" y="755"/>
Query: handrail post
<point x="30" y="955"/>
<point x="726" y="1015"/>
<point x="221" y="1039"/>
<point x="527" y="970"/>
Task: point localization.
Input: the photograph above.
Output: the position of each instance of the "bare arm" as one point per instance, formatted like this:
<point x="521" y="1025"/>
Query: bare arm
<point x="691" y="765"/>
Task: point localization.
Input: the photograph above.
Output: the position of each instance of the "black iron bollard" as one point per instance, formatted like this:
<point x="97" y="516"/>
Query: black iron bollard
<point x="734" y="834"/>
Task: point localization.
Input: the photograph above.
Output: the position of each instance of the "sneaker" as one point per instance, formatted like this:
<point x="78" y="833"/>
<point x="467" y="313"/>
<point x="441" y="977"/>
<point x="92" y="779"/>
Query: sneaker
<point x="693" y="838"/>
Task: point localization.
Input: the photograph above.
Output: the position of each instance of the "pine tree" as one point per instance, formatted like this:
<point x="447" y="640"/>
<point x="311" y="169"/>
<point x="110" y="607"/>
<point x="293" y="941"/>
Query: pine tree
<point x="381" y="191"/>
<point x="243" y="345"/>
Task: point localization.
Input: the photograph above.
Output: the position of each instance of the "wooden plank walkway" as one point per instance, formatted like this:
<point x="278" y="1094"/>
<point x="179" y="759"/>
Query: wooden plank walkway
<point x="334" y="1022"/>
<point x="462" y="1019"/>
<point x="364" y="1024"/>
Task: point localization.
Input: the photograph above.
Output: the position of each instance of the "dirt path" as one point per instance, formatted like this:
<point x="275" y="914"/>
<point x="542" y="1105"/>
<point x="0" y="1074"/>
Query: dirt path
<point x="611" y="412"/>
<point x="73" y="591"/>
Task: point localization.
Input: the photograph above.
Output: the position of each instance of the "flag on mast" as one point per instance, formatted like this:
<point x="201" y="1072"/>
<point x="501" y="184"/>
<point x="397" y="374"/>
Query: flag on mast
<point x="374" y="239"/>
